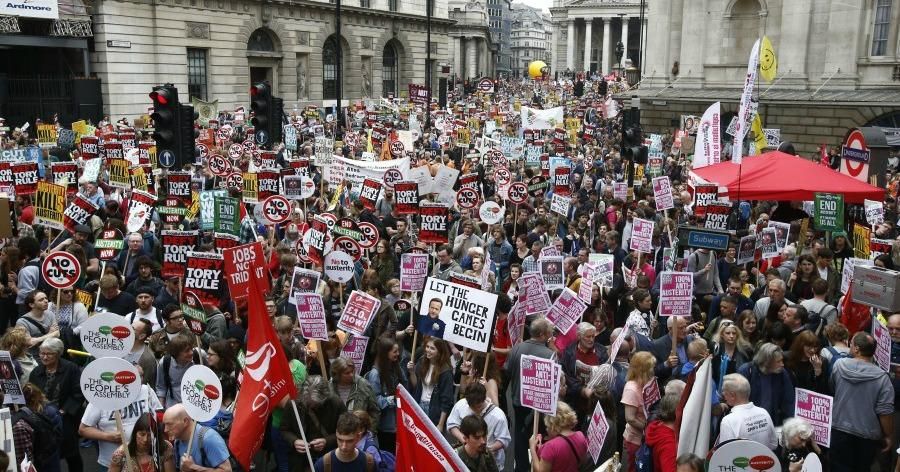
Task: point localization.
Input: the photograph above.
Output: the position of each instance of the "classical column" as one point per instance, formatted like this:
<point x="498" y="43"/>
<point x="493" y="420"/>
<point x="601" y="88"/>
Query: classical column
<point x="458" y="65"/>
<point x="606" y="33"/>
<point x="587" y="43"/>
<point x="624" y="40"/>
<point x="471" y="57"/>
<point x="692" y="55"/>
<point x="554" y="50"/>
<point x="570" y="46"/>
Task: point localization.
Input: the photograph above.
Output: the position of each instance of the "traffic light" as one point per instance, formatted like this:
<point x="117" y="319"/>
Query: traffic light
<point x="262" y="107"/>
<point x="166" y="113"/>
<point x="188" y="135"/>
<point x="634" y="149"/>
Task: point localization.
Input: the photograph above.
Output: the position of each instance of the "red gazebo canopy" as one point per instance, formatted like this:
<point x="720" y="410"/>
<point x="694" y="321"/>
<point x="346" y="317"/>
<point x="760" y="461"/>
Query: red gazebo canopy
<point x="779" y="176"/>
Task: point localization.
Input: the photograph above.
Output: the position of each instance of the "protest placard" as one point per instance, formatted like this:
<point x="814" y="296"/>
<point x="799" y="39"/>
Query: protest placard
<point x="413" y="271"/>
<point x="829" y="212"/>
<point x="662" y="193"/>
<point x="434" y="229"/>
<point x="110" y="383"/>
<point x="25" y="177"/>
<point x="651" y="394"/>
<point x="782" y="233"/>
<point x="201" y="393"/>
<point x="65" y="174"/>
<point x="359" y="311"/>
<point x="239" y="262"/>
<point x="369" y="192"/>
<point x="227" y="215"/>
<point x="539" y="384"/>
<point x="746" y="249"/>
<point x="533" y="297"/>
<point x="642" y="235"/>
<point x="874" y="212"/>
<point x="704" y="194"/>
<point x="223" y="241"/>
<point x="816" y="409"/>
<point x="515" y="324"/>
<point x="560" y="205"/>
<point x="140" y="206"/>
<point x="596" y="432"/>
<point x="586" y="289"/>
<point x="9" y="381"/>
<point x="203" y="277"/>
<point x="176" y="245"/>
<point x="603" y="275"/>
<point x="882" y="345"/>
<point x="717" y="215"/>
<point x="78" y="212"/>
<point x="355" y="351"/>
<point x="620" y="190"/>
<point x="311" y="316"/>
<point x="847" y="271"/>
<point x="768" y="243"/>
<point x="457" y="313"/>
<point x="566" y="310"/>
<point x="551" y="268"/>
<point x="676" y="293"/>
<point x="50" y="204"/>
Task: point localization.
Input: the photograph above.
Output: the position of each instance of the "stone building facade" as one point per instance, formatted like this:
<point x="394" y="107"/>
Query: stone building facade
<point x="587" y="32"/>
<point x="838" y="64"/>
<point x="529" y="38"/>
<point x="214" y="49"/>
<point x="473" y="47"/>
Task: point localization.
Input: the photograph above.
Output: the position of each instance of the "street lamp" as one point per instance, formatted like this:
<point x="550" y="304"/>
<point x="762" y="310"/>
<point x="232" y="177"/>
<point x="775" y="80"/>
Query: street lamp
<point x="620" y="51"/>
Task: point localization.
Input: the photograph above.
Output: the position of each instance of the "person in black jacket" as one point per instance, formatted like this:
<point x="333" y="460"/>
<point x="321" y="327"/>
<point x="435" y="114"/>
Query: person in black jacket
<point x="59" y="380"/>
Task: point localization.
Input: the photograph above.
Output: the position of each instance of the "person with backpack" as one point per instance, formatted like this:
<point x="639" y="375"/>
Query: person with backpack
<point x="208" y="451"/>
<point x="660" y="444"/>
<point x="565" y="448"/>
<point x="181" y="356"/>
<point x="37" y="430"/>
<point x="59" y="379"/>
<point x="385" y="461"/>
<point x="39" y="321"/>
<point x="141" y="449"/>
<point x="496" y="426"/>
<point x="346" y="457"/>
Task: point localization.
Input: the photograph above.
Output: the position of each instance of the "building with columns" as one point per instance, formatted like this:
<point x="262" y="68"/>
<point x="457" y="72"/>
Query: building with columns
<point x="213" y="50"/>
<point x="472" y="48"/>
<point x="586" y="33"/>
<point x="838" y="64"/>
<point x="530" y="37"/>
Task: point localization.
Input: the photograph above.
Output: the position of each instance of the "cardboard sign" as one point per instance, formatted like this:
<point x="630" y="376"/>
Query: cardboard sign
<point x="239" y="261"/>
<point x="750" y="455"/>
<point x="25" y="177"/>
<point x="746" y="249"/>
<point x="176" y="245"/>
<point x="815" y="408"/>
<point x="642" y="235"/>
<point x="303" y="281"/>
<point x="566" y="311"/>
<point x="311" y="316"/>
<point x="201" y="393"/>
<point x="50" y="204"/>
<point x="9" y="381"/>
<point x="704" y="194"/>
<point x="596" y="432"/>
<point x="203" y="277"/>
<point x="551" y="269"/>
<point x="717" y="216"/>
<point x="107" y="335"/>
<point x="829" y="212"/>
<point x="413" y="272"/>
<point x="782" y="234"/>
<point x="355" y="351"/>
<point x="65" y="174"/>
<point x="883" y="345"/>
<point x="651" y="394"/>
<point x="359" y="311"/>
<point x="314" y="240"/>
<point x="874" y="212"/>
<point x="119" y="173"/>
<point x="676" y="291"/>
<point x="620" y="190"/>
<point x="533" y="297"/>
<point x="662" y="193"/>
<point x="458" y="314"/>
<point x="539" y="384"/>
<point x="434" y="229"/>
<point x="110" y="383"/>
<point x="560" y="205"/>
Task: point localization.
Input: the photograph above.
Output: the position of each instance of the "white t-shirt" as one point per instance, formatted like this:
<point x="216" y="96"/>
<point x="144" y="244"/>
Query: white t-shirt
<point x="751" y="422"/>
<point x="105" y="420"/>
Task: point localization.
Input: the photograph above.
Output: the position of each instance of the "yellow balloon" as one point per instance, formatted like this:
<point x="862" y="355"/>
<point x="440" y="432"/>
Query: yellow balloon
<point x="536" y="69"/>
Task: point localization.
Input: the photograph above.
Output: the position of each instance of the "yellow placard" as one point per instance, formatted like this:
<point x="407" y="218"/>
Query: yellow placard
<point x="251" y="187"/>
<point x="119" y="175"/>
<point x="195" y="206"/>
<point x="861" y="241"/>
<point x="47" y="135"/>
<point x="50" y="204"/>
<point x="139" y="179"/>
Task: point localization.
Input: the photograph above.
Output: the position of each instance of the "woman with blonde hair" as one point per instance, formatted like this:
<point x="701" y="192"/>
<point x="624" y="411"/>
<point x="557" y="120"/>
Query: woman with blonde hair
<point x="564" y="448"/>
<point x="730" y="351"/>
<point x="640" y="373"/>
<point x="16" y="341"/>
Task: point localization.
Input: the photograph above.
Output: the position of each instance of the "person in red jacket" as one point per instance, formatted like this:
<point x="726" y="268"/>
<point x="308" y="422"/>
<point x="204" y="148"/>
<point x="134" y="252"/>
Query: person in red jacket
<point x="660" y="436"/>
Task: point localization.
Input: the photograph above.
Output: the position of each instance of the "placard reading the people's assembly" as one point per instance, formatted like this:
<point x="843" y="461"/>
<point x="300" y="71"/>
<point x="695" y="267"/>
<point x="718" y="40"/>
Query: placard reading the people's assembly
<point x="458" y="314"/>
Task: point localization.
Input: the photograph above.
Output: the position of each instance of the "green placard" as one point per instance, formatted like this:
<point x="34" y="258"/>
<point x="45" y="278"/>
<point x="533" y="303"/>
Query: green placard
<point x="227" y="215"/>
<point x="829" y="212"/>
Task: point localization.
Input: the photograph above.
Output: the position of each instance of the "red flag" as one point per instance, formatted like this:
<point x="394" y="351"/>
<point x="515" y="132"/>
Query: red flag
<point x="855" y="316"/>
<point x="420" y="446"/>
<point x="266" y="379"/>
<point x="823" y="156"/>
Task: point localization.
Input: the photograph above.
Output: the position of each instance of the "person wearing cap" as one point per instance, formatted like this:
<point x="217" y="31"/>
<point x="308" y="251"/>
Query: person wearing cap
<point x="81" y="236"/>
<point x="169" y="293"/>
<point x="145" y="279"/>
<point x="145" y="308"/>
<point x="175" y="325"/>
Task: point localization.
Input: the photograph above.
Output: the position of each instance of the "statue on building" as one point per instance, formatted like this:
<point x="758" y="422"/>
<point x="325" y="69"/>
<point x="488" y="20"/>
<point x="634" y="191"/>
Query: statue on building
<point x="301" y="77"/>
<point x="366" y="79"/>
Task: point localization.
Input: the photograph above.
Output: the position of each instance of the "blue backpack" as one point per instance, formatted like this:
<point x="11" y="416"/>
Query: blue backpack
<point x="643" y="458"/>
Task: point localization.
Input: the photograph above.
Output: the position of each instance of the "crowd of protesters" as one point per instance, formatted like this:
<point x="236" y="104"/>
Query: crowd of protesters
<point x="767" y="327"/>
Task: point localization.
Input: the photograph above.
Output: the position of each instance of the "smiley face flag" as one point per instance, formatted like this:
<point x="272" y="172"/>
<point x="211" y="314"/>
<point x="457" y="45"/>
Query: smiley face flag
<point x="768" y="64"/>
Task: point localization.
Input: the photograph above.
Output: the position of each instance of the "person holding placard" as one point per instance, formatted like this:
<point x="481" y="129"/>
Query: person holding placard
<point x="208" y="452"/>
<point x="541" y="332"/>
<point x="59" y="380"/>
<point x="353" y="390"/>
<point x="384" y="377"/>
<point x="318" y="411"/>
<point x="432" y="381"/>
<point x="140" y="448"/>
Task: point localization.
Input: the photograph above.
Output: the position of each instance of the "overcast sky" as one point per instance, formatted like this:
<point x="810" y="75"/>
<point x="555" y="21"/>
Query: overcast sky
<point x="542" y="4"/>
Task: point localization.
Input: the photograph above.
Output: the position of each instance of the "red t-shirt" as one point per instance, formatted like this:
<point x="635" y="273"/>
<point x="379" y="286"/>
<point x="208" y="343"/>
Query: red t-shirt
<point x="501" y="339"/>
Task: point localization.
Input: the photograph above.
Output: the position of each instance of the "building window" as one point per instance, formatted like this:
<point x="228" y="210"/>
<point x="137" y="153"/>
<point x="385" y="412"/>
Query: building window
<point x="261" y="41"/>
<point x="392" y="5"/>
<point x="882" y="27"/>
<point x="365" y="3"/>
<point x="329" y="68"/>
<point x="196" y="59"/>
<point x="389" y="70"/>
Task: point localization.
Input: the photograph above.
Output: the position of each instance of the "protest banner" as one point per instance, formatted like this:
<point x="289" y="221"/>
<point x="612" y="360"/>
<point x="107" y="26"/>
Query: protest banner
<point x="586" y="289"/>
<point x="413" y="271"/>
<point x="65" y="174"/>
<point x="862" y="236"/>
<point x="250" y="187"/>
<point x="882" y="345"/>
<point x="201" y="393"/>
<point x="561" y="182"/>
<point x="239" y="261"/>
<point x="109" y="244"/>
<point x="203" y="277"/>
<point x="176" y="245"/>
<point x="140" y="206"/>
<point x="25" y="177"/>
<point x="782" y="233"/>
<point x="359" y="311"/>
<point x="457" y="313"/>
<point x="207" y="207"/>
<point x="226" y="215"/>
<point x="406" y="194"/>
<point x="566" y="311"/>
<point x="768" y="243"/>
<point x="107" y="335"/>
<point x="539" y="384"/>
<point x="603" y="276"/>
<point x="355" y="351"/>
<point x="642" y="235"/>
<point x="311" y="316"/>
<point x="874" y="212"/>
<point x="533" y="297"/>
<point x="596" y="432"/>
<point x="223" y="241"/>
<point x="268" y="183"/>
<point x="717" y="215"/>
<point x="662" y="193"/>
<point x="303" y="281"/>
<point x="356" y="172"/>
<point x="50" y="204"/>
<point x="746" y="249"/>
<point x="339" y="266"/>
<point x="560" y="205"/>
<point x="829" y="212"/>
<point x="676" y="293"/>
<point x="551" y="268"/>
<point x="816" y="409"/>
<point x="434" y="229"/>
<point x="110" y="383"/>
<point x="9" y="381"/>
<point x="704" y="194"/>
<point x="141" y="179"/>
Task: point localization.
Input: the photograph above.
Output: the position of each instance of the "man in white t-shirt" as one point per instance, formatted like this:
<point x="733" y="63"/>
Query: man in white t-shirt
<point x="100" y="425"/>
<point x="746" y="420"/>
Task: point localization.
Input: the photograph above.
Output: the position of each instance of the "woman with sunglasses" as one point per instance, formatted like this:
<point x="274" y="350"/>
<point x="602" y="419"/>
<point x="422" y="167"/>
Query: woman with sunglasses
<point x="70" y="312"/>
